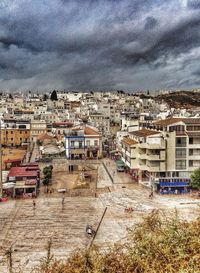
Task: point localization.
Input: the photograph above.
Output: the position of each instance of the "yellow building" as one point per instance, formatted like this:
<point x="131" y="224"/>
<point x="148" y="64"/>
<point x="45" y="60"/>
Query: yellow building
<point x="15" y="133"/>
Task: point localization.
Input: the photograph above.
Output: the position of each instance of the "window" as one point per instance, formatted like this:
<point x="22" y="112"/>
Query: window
<point x="88" y="143"/>
<point x="181" y="164"/>
<point x="191" y="140"/>
<point x="11" y="132"/>
<point x="80" y="144"/>
<point x="72" y="143"/>
<point x="190" y="151"/>
<point x="181" y="142"/>
<point x="180" y="153"/>
<point x="22" y="126"/>
<point x="96" y="143"/>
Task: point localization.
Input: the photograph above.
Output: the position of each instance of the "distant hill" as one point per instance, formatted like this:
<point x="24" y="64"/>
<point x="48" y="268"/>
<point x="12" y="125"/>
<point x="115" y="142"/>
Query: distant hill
<point x="185" y="99"/>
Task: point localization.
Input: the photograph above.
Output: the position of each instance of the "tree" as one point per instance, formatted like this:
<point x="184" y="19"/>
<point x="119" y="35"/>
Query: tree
<point x="39" y="142"/>
<point x="45" y="181"/>
<point x="45" y="97"/>
<point x="54" y="95"/>
<point x="195" y="179"/>
<point x="47" y="171"/>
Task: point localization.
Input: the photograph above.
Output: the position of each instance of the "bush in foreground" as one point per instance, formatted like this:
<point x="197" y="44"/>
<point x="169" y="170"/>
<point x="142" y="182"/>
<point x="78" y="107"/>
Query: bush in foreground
<point x="158" y="245"/>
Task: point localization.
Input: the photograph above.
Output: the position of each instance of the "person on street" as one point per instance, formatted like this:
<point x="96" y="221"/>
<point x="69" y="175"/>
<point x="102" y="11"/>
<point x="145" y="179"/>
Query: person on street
<point x="151" y="194"/>
<point x="34" y="204"/>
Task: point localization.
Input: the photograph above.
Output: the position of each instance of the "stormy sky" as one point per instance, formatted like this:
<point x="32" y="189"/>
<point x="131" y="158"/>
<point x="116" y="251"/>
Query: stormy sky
<point x="99" y="44"/>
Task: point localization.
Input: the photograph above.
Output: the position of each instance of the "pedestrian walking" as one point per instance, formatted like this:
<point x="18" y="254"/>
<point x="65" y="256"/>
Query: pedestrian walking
<point x="151" y="194"/>
<point x="34" y="204"/>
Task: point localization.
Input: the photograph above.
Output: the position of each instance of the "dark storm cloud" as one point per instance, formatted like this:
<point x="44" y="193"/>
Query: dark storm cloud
<point x="194" y="4"/>
<point x="95" y="44"/>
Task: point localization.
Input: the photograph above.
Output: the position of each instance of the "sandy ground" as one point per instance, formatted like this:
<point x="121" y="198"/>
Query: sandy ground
<point x="29" y="230"/>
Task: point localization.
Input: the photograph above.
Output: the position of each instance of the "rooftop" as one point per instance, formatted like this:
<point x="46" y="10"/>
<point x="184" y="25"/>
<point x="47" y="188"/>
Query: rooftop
<point x="168" y="121"/>
<point x="144" y="132"/>
<point x="128" y="141"/>
<point x="22" y="172"/>
<point x="90" y="131"/>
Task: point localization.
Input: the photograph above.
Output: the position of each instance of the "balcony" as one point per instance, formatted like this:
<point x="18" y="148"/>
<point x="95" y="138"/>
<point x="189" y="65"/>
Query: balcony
<point x="153" y="157"/>
<point x="194" y="146"/>
<point x="77" y="151"/>
<point x="193" y="168"/>
<point x="153" y="168"/>
<point x="143" y="156"/>
<point x="194" y="157"/>
<point x="152" y="146"/>
<point x="181" y="145"/>
<point x="156" y="167"/>
<point x="92" y="148"/>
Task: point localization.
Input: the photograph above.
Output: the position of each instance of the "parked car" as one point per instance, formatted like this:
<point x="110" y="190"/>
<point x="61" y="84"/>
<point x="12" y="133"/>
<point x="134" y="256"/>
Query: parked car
<point x="46" y="159"/>
<point x="120" y="168"/>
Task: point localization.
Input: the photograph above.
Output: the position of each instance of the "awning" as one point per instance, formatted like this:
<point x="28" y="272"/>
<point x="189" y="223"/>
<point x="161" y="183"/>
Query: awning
<point x="8" y="185"/>
<point x="114" y="151"/>
<point x="174" y="184"/>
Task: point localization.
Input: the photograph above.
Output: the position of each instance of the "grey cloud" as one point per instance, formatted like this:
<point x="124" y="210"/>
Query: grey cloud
<point x="95" y="44"/>
<point x="193" y="4"/>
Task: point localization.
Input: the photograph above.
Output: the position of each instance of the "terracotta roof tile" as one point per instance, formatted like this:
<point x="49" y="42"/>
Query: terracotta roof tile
<point x="22" y="172"/>
<point x="90" y="131"/>
<point x="44" y="136"/>
<point x="128" y="141"/>
<point x="168" y="121"/>
<point x="144" y="132"/>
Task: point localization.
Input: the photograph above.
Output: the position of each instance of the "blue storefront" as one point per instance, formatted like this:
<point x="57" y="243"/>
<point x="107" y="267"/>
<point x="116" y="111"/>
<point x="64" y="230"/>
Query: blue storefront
<point x="173" y="185"/>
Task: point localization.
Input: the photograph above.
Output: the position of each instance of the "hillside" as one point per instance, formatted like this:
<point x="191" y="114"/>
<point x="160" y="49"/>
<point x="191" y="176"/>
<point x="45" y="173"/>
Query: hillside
<point x="181" y="99"/>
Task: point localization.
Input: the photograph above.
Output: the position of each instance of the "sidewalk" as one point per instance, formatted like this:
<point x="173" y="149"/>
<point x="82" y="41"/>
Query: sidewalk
<point x="118" y="177"/>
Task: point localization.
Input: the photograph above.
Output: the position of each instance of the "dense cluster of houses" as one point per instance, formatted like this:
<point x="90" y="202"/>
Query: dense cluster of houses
<point x="155" y="143"/>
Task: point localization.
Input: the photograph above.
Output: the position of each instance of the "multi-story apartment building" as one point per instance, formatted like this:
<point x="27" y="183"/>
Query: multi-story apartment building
<point x="49" y="117"/>
<point x="60" y="128"/>
<point x="15" y="132"/>
<point x="38" y="127"/>
<point x="101" y="122"/>
<point x="165" y="149"/>
<point x="83" y="143"/>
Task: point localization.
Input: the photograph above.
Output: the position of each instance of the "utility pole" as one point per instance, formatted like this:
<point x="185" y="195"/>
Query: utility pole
<point x="1" y="182"/>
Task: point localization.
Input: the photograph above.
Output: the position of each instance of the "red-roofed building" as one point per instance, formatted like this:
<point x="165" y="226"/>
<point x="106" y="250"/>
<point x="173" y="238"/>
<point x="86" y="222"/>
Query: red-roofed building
<point x="26" y="179"/>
